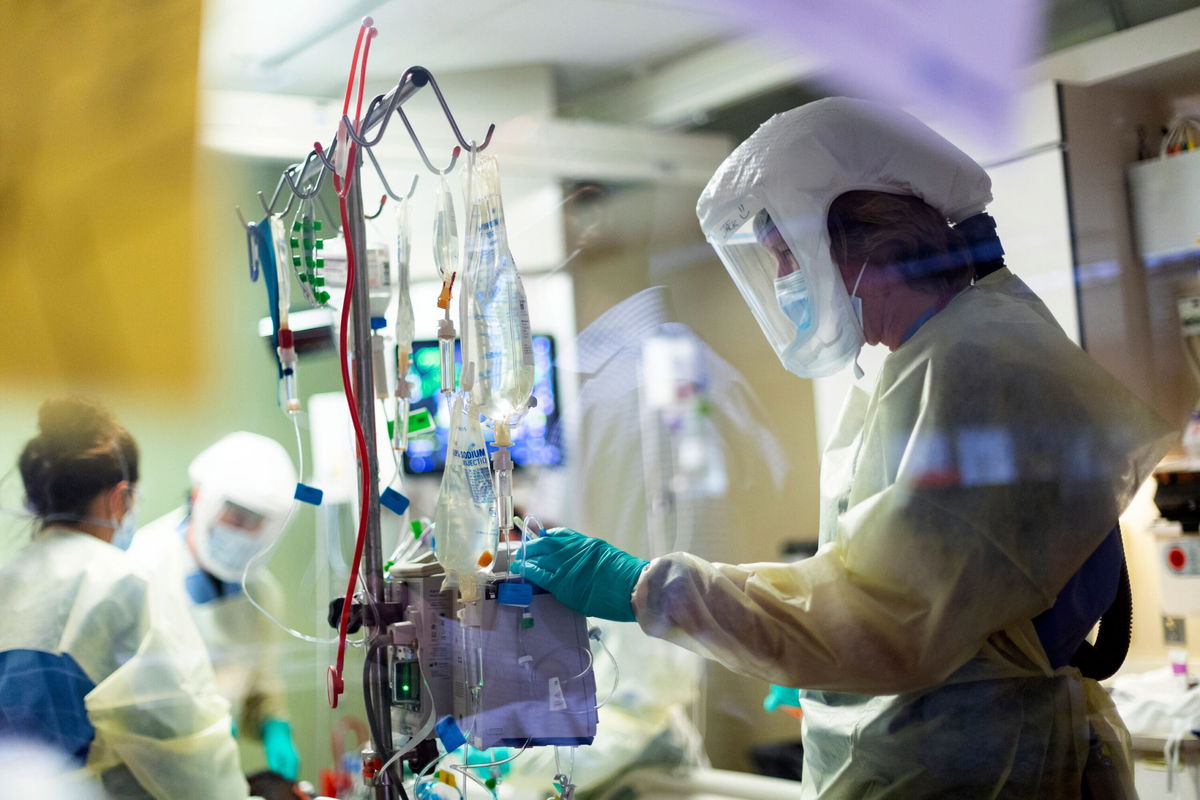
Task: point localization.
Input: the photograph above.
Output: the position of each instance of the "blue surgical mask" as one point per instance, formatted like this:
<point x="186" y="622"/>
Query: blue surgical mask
<point x="791" y="291"/>
<point x="123" y="529"/>
<point x="228" y="550"/>
<point x="123" y="534"/>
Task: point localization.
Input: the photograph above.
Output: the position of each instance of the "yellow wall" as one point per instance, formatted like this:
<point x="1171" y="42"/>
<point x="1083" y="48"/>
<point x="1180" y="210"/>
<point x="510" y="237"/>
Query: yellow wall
<point x="233" y="389"/>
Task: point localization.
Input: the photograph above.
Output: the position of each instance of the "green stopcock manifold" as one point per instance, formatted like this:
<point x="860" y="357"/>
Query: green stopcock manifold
<point x="305" y="247"/>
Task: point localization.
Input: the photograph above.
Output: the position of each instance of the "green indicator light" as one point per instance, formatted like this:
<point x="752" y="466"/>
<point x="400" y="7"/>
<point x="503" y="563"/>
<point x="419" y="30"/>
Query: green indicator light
<point x="317" y="281"/>
<point x="294" y="243"/>
<point x="316" y="225"/>
<point x="320" y="263"/>
<point x="303" y="278"/>
<point x="295" y="261"/>
<point x="420" y="420"/>
<point x="296" y="226"/>
<point x="320" y="244"/>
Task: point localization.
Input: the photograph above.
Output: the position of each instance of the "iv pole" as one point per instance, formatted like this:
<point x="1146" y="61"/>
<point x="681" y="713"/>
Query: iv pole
<point x="377" y="692"/>
<point x="377" y="688"/>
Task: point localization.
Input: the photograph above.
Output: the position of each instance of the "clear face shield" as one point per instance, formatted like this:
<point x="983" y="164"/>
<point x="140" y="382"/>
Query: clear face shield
<point x="796" y="295"/>
<point x="228" y="535"/>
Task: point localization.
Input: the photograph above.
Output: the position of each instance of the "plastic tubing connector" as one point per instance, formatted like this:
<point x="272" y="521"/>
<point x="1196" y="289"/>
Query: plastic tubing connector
<point x="443" y="301"/>
<point x="446" y="337"/>
<point x="287" y="358"/>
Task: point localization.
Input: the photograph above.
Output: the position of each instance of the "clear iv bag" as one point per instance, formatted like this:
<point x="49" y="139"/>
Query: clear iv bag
<point x="405" y="324"/>
<point x="501" y="346"/>
<point x="465" y="522"/>
<point x="445" y="234"/>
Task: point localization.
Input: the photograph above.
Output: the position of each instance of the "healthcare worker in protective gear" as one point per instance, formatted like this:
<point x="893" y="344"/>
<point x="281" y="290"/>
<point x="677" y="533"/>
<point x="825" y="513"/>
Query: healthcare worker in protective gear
<point x="242" y="489"/>
<point x="968" y="499"/>
<point x="94" y="661"/>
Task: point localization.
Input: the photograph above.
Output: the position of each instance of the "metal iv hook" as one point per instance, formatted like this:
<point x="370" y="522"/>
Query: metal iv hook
<point x="294" y="185"/>
<point x="295" y="175"/>
<point x="383" y="198"/>
<point x="392" y="100"/>
<point x="421" y="150"/>
<point x="386" y="186"/>
<point x="250" y="229"/>
<point x="269" y="207"/>
<point x="467" y="146"/>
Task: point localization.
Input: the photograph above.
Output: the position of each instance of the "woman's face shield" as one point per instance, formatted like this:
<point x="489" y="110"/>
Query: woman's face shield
<point x="770" y="278"/>
<point x="228" y="535"/>
<point x="783" y="270"/>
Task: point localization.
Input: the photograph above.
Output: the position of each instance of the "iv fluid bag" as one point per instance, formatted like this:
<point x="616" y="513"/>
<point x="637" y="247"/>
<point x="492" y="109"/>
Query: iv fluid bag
<point x="282" y="259"/>
<point x="445" y="234"/>
<point x="405" y="324"/>
<point x="501" y="346"/>
<point x="466" y="508"/>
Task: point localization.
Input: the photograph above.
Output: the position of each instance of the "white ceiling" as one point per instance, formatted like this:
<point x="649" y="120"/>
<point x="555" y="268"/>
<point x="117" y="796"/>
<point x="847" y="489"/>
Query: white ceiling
<point x="304" y="46"/>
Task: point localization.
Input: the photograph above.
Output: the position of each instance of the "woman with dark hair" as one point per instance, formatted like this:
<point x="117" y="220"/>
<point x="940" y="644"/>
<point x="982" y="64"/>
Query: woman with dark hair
<point x="81" y="470"/>
<point x="92" y="660"/>
<point x="969" y="495"/>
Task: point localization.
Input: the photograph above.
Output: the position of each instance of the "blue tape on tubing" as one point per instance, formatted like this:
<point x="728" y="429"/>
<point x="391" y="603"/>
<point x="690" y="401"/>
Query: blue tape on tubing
<point x="448" y="732"/>
<point x="309" y="494"/>
<point x="514" y="594"/>
<point x="393" y="501"/>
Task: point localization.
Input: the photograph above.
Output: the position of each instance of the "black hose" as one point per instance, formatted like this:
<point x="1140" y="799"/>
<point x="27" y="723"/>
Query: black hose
<point x="1101" y="660"/>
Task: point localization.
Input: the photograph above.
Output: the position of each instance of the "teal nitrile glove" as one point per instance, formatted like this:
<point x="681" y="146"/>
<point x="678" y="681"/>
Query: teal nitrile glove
<point x="489" y="756"/>
<point x="281" y="751"/>
<point x="781" y="696"/>
<point x="586" y="574"/>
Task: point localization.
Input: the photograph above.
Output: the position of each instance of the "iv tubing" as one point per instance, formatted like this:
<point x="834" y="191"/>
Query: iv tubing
<point x="360" y="439"/>
<point x="263" y="554"/>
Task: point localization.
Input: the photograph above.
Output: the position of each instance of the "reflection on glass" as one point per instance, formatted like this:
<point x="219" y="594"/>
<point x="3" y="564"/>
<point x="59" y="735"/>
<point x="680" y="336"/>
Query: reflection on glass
<point x="536" y="440"/>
